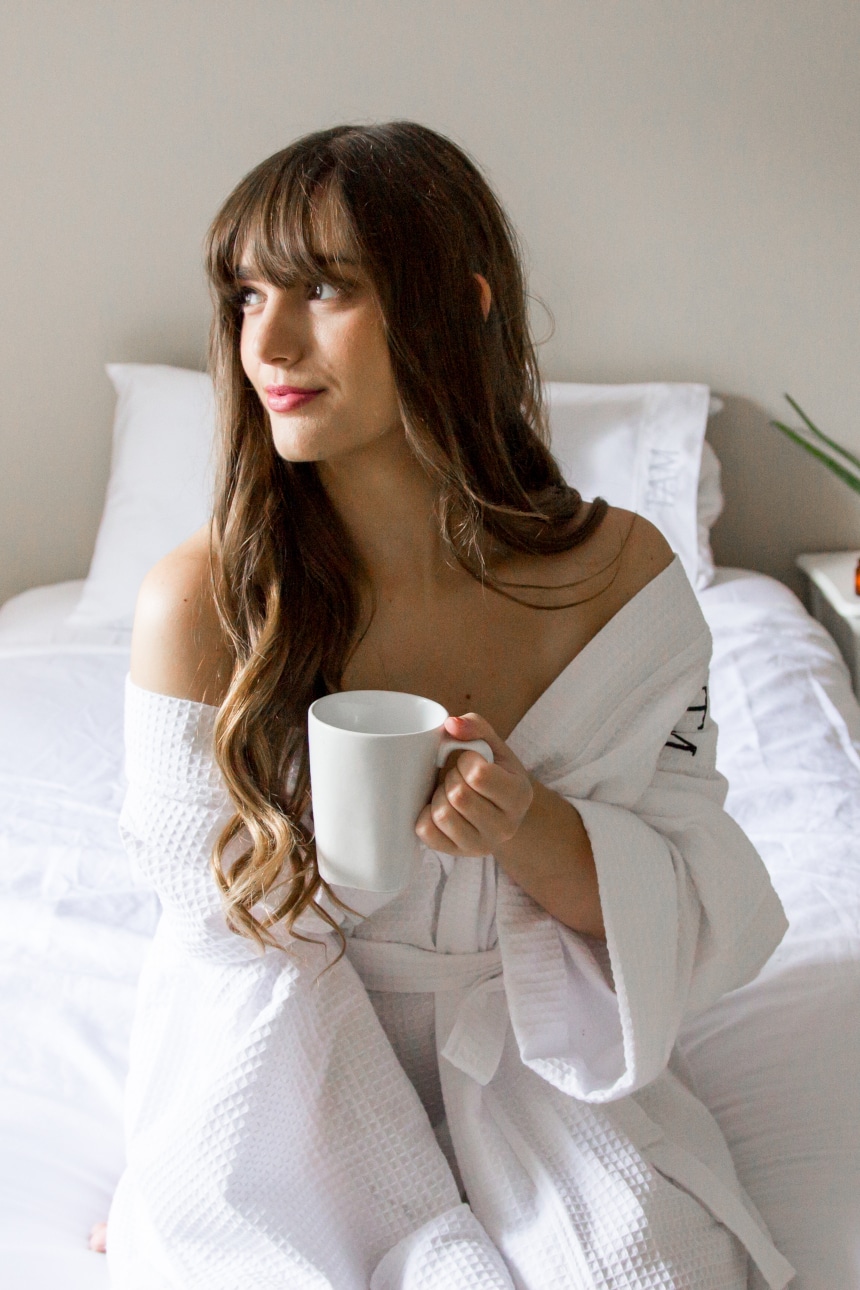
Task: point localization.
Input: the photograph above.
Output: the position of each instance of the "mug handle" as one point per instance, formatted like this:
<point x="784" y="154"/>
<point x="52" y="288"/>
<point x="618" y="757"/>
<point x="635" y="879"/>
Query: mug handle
<point x="447" y="746"/>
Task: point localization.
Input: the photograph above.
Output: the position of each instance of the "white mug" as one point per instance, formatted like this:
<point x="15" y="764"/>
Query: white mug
<point x="374" y="756"/>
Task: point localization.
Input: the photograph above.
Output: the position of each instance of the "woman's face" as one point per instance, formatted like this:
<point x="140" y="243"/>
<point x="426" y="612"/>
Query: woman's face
<point x="317" y="356"/>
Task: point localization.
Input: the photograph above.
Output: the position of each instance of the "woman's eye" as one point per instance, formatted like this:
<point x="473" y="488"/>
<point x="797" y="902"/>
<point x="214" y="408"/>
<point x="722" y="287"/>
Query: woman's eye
<point x="323" y="291"/>
<point x="247" y="297"/>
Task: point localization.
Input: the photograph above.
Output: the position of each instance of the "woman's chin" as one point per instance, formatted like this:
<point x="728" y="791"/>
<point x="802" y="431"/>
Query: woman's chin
<point x="293" y="445"/>
<point x="295" y="442"/>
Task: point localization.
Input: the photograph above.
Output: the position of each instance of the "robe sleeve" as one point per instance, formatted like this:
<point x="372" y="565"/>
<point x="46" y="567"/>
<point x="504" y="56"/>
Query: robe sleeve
<point x="688" y="907"/>
<point x="272" y="1137"/>
<point x="175" y="807"/>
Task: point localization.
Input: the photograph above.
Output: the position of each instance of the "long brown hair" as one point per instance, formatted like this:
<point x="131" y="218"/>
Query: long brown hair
<point x="421" y="220"/>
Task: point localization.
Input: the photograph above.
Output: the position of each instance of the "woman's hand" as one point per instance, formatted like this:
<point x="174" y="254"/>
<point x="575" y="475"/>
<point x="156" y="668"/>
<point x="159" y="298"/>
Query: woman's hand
<point x="477" y="806"/>
<point x="537" y="837"/>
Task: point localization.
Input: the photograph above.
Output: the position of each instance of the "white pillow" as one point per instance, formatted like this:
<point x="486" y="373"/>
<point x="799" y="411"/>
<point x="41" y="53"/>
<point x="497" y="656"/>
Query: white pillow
<point x="640" y="447"/>
<point x="709" y="508"/>
<point x="159" y="489"/>
<point x="39" y="618"/>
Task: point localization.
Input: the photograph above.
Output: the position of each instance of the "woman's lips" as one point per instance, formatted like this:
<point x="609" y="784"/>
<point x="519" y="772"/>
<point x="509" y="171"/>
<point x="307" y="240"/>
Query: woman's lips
<point x="283" y="398"/>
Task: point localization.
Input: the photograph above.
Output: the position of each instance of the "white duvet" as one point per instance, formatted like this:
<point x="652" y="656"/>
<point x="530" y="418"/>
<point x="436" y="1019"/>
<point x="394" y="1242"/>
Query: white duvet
<point x="777" y="1061"/>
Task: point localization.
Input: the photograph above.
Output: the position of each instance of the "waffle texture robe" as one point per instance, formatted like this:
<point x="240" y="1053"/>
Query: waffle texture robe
<point x="275" y="1141"/>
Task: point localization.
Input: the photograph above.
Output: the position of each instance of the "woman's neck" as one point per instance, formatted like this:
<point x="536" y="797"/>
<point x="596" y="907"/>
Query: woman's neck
<point x="387" y="504"/>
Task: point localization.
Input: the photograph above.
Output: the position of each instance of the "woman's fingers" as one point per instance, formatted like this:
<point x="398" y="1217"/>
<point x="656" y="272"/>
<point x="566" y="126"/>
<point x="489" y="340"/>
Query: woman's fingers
<point x="449" y="830"/>
<point x="477" y="804"/>
<point x="472" y="726"/>
<point x="436" y="840"/>
<point x="458" y="819"/>
<point x="98" y="1238"/>
<point x="491" y="781"/>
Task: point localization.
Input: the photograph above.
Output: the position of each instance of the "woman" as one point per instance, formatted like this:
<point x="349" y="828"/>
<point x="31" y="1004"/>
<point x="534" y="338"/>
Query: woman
<point x="476" y="1093"/>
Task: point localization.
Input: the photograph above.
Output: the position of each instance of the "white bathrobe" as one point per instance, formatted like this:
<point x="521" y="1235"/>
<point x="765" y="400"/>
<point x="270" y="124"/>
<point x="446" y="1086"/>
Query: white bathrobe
<point x="274" y="1140"/>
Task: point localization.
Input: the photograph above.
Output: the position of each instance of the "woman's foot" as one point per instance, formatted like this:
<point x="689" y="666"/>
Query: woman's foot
<point x="98" y="1237"/>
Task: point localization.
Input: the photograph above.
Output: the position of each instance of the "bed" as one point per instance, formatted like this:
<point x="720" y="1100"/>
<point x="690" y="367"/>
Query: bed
<point x="778" y="1061"/>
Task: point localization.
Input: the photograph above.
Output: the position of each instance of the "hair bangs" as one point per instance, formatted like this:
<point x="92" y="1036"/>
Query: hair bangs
<point x="282" y="227"/>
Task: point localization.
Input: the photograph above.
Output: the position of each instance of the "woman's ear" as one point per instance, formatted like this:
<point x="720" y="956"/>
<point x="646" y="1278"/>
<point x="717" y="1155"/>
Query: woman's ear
<point x="486" y="294"/>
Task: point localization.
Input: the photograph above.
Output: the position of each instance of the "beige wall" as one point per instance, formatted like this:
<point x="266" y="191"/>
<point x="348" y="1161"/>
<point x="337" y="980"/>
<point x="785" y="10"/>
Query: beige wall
<point x="684" y="174"/>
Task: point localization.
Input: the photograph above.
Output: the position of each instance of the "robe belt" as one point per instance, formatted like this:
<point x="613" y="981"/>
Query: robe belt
<point x="475" y="1046"/>
<point x="477" y="1037"/>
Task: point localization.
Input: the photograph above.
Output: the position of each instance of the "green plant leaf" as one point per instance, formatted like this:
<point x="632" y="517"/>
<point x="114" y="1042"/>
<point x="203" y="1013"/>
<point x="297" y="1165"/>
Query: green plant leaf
<point x="831" y="443"/>
<point x="853" y="481"/>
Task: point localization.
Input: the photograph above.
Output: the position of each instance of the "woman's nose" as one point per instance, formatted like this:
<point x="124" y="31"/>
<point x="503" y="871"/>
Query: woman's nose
<point x="279" y="337"/>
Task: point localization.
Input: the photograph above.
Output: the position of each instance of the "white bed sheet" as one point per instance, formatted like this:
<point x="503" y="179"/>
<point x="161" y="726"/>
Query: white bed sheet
<point x="73" y="931"/>
<point x="777" y="1062"/>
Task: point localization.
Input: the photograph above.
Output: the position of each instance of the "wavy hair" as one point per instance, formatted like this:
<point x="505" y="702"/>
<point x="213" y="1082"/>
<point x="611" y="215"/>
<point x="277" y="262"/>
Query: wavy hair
<point x="420" y="218"/>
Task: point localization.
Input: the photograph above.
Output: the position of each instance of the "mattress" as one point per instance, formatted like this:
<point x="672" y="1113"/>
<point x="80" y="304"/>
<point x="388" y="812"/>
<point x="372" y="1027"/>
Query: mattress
<point x="778" y="1061"/>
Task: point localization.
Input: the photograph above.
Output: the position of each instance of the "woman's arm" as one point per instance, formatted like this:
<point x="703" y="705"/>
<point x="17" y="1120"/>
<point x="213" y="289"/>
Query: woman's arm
<point x="177" y="646"/>
<point x="550" y="857"/>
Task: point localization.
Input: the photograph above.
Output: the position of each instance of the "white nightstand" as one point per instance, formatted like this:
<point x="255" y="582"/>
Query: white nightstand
<point x="834" y="602"/>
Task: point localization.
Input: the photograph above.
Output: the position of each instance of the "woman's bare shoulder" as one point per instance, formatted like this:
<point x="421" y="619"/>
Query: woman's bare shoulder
<point x="178" y="647"/>
<point x="644" y="552"/>
<point x="621" y="557"/>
